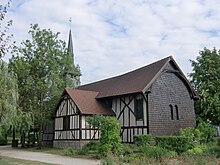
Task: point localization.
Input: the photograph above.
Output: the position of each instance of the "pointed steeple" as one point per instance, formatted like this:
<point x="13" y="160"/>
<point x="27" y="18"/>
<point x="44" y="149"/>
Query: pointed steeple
<point x="70" y="47"/>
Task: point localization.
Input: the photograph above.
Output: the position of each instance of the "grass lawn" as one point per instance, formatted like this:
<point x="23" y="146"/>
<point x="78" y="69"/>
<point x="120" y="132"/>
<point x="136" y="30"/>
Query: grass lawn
<point x="13" y="161"/>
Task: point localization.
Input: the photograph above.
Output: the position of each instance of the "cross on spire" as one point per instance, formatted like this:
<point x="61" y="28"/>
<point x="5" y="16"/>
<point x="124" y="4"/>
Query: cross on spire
<point x="70" y="20"/>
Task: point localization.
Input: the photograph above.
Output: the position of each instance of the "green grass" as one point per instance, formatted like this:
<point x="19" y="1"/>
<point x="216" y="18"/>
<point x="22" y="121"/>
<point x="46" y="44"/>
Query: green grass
<point x="12" y="161"/>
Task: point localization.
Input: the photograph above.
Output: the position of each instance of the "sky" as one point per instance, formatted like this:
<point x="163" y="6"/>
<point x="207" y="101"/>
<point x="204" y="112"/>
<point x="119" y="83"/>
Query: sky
<point x="112" y="37"/>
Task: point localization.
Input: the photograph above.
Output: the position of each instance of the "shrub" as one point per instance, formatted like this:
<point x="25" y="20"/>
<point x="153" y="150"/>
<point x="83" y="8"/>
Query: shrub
<point x="110" y="140"/>
<point x="194" y="151"/>
<point x="218" y="141"/>
<point x="69" y="151"/>
<point x="207" y="132"/>
<point x="92" y="146"/>
<point x="157" y="152"/>
<point x="141" y="140"/>
<point x="3" y="140"/>
<point x="129" y="149"/>
<point x="178" y="144"/>
<point x="215" y="150"/>
<point x="190" y="132"/>
<point x="111" y="160"/>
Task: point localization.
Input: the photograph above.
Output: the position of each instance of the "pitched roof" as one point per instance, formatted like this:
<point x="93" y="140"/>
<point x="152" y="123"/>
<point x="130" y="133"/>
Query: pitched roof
<point x="135" y="81"/>
<point x="131" y="82"/>
<point x="86" y="102"/>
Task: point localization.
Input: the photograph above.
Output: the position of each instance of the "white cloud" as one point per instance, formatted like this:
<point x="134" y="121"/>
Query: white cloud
<point x="113" y="37"/>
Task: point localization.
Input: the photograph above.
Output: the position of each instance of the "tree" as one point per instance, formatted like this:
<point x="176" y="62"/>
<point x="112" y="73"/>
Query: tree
<point x="8" y="97"/>
<point x="5" y="39"/>
<point x="11" y="117"/>
<point x="41" y="64"/>
<point x="206" y="80"/>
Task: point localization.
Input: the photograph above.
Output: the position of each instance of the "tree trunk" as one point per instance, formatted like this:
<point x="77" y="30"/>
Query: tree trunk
<point x="13" y="134"/>
<point x="22" y="139"/>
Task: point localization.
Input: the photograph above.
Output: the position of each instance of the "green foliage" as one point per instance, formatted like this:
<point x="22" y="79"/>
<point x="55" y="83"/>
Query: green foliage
<point x="110" y="141"/>
<point x="11" y="116"/>
<point x="194" y="151"/>
<point x="141" y="140"/>
<point x="191" y="132"/>
<point x="69" y="151"/>
<point x="203" y="133"/>
<point x="41" y="64"/>
<point x="214" y="150"/>
<point x="206" y="80"/>
<point x="5" y="39"/>
<point x="94" y="120"/>
<point x="207" y="132"/>
<point x="157" y="152"/>
<point x="129" y="148"/>
<point x="92" y="146"/>
<point x="3" y="140"/>
<point x="178" y="144"/>
<point x="218" y="141"/>
<point x="111" y="160"/>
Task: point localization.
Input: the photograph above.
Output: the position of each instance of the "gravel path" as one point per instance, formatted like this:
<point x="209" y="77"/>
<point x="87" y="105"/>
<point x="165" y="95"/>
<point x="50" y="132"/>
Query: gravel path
<point x="44" y="157"/>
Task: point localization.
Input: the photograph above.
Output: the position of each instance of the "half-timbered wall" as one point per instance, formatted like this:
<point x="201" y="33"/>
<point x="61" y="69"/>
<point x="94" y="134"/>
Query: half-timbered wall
<point x="124" y="108"/>
<point x="67" y="110"/>
<point x="71" y="126"/>
<point x="170" y="104"/>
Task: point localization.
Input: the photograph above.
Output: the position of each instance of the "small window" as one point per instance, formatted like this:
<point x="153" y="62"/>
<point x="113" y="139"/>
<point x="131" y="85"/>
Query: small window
<point x="177" y="112"/>
<point x="109" y="102"/>
<point x="171" y="111"/>
<point x="66" y="122"/>
<point x="138" y="109"/>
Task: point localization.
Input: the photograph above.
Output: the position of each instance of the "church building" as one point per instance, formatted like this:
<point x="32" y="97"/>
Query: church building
<point x="155" y="99"/>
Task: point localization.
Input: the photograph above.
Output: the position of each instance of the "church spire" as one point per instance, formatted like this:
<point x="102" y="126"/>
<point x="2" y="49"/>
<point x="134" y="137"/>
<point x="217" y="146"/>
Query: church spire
<point x="70" y="44"/>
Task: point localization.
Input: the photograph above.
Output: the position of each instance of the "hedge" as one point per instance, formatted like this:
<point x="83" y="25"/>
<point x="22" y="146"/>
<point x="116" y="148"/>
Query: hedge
<point x="142" y="139"/>
<point x="174" y="143"/>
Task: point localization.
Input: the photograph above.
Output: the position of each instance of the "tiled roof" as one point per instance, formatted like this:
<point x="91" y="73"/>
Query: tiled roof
<point x="131" y="82"/>
<point x="86" y="102"/>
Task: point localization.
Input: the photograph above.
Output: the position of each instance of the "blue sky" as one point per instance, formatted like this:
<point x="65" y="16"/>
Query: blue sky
<point x="112" y="37"/>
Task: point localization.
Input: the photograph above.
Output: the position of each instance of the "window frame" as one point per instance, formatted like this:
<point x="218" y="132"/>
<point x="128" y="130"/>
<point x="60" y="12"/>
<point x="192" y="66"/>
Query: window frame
<point x="66" y="122"/>
<point x="139" y="109"/>
<point x="171" y="112"/>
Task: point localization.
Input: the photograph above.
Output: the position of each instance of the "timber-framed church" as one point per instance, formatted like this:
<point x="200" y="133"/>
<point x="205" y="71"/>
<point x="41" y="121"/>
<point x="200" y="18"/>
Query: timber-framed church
<point x="156" y="99"/>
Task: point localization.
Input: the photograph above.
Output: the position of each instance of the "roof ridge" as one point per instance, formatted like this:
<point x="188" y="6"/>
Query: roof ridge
<point x="169" y="57"/>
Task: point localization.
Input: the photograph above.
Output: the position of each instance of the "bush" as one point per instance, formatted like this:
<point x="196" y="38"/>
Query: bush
<point x="110" y="140"/>
<point x="218" y="141"/>
<point x="129" y="149"/>
<point x="141" y="140"/>
<point x="215" y="150"/>
<point x="3" y="140"/>
<point x="178" y="144"/>
<point x="111" y="160"/>
<point x="190" y="132"/>
<point x="207" y="132"/>
<point x="194" y="151"/>
<point x="92" y="146"/>
<point x="69" y="151"/>
<point x="157" y="152"/>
